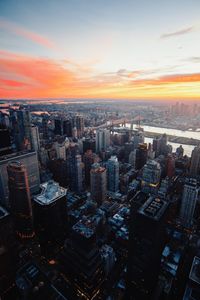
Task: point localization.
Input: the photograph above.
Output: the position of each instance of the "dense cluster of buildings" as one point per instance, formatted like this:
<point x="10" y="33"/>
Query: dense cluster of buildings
<point x="94" y="212"/>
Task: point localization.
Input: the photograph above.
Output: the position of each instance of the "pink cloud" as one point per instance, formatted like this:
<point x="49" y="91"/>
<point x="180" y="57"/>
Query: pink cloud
<point x="30" y="35"/>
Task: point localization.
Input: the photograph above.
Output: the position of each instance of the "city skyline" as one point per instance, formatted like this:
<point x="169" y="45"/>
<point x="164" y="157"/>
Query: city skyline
<point x="100" y="49"/>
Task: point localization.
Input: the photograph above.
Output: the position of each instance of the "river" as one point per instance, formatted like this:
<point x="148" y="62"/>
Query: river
<point x="181" y="133"/>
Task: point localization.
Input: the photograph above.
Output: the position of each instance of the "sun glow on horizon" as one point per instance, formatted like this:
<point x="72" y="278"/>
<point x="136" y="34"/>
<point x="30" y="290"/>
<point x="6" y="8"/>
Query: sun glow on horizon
<point x="91" y="53"/>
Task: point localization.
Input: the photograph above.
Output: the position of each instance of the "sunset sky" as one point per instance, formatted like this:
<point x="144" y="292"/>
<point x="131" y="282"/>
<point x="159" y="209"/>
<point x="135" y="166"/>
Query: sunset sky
<point x="127" y="49"/>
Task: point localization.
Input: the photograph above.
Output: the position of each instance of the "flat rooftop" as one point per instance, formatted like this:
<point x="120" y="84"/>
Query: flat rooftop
<point x="85" y="227"/>
<point x="195" y="270"/>
<point x="3" y="212"/>
<point x="51" y="192"/>
<point x="153" y="208"/>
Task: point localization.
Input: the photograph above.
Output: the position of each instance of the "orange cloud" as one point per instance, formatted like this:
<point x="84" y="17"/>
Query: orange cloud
<point x="169" y="79"/>
<point x="22" y="76"/>
<point x="11" y="83"/>
<point x="30" y="35"/>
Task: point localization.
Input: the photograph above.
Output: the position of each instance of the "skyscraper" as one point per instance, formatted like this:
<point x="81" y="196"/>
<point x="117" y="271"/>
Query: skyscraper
<point x="179" y="151"/>
<point x="89" y="158"/>
<point x="50" y="212"/>
<point x="102" y="139"/>
<point x="75" y="172"/>
<point x="24" y="123"/>
<point x="30" y="161"/>
<point x="89" y="144"/>
<point x="67" y="128"/>
<point x="35" y="138"/>
<point x="60" y="150"/>
<point x="195" y="161"/>
<point x="21" y="128"/>
<point x="58" y="127"/>
<point x="188" y="204"/>
<point x="138" y="138"/>
<point x="113" y="174"/>
<point x="78" y="122"/>
<point x="8" y="251"/>
<point x="151" y="175"/>
<point x="170" y="166"/>
<point x="45" y="127"/>
<point x="5" y="141"/>
<point x="80" y="261"/>
<point x="98" y="180"/>
<point x="160" y="145"/>
<point x="20" y="200"/>
<point x="146" y="241"/>
<point x="138" y="157"/>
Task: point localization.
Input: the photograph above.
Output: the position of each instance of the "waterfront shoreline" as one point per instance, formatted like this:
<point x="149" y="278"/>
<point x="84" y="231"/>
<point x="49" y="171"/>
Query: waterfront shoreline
<point x="174" y="139"/>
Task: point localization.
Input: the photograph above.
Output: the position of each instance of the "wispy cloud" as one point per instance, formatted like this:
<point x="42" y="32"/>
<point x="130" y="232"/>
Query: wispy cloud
<point x="177" y="33"/>
<point x="23" y="76"/>
<point x="169" y="79"/>
<point x="194" y="59"/>
<point x="27" y="34"/>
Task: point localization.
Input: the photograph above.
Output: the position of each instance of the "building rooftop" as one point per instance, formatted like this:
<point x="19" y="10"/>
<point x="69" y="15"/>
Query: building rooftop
<point x="3" y="212"/>
<point x="195" y="270"/>
<point x="153" y="208"/>
<point x="96" y="168"/>
<point x="85" y="228"/>
<point x="51" y="191"/>
<point x="191" y="182"/>
<point x="31" y="280"/>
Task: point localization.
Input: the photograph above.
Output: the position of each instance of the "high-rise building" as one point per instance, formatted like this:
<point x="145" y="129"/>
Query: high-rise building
<point x="89" y="158"/>
<point x="170" y="166"/>
<point x="128" y="147"/>
<point x="98" y="180"/>
<point x="132" y="158"/>
<point x="102" y="139"/>
<point x="5" y="141"/>
<point x="14" y="127"/>
<point x="30" y="161"/>
<point x="60" y="150"/>
<point x="58" y="127"/>
<point x="195" y="161"/>
<point x="113" y="174"/>
<point x="81" y="262"/>
<point x="160" y="145"/>
<point x="75" y="172"/>
<point x="89" y="144"/>
<point x="8" y="260"/>
<point x="20" y="200"/>
<point x="35" y="138"/>
<point x="138" y="138"/>
<point x="20" y="121"/>
<point x="188" y="204"/>
<point x="192" y="291"/>
<point x="78" y="122"/>
<point x="146" y="241"/>
<point x="33" y="284"/>
<point x="139" y="156"/>
<point x="45" y="126"/>
<point x="67" y="128"/>
<point x="151" y="175"/>
<point x="24" y="123"/>
<point x="180" y="151"/>
<point x="50" y="212"/>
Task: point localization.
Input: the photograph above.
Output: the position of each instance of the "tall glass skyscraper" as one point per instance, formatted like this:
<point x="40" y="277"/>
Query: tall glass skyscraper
<point x="20" y="200"/>
<point x="113" y="174"/>
<point x="30" y="161"/>
<point x="98" y="179"/>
